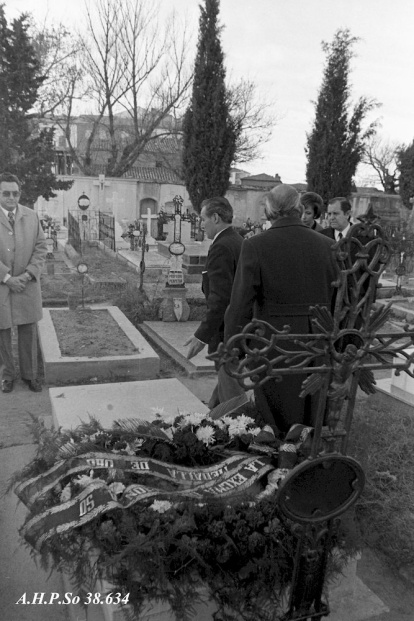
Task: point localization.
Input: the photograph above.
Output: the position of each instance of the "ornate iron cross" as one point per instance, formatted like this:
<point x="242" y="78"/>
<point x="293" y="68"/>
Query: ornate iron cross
<point x="338" y="356"/>
<point x="345" y="345"/>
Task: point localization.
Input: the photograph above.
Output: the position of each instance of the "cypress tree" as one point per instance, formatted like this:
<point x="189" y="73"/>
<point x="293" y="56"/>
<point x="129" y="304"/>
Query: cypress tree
<point x="405" y="158"/>
<point x="210" y="134"/>
<point x="24" y="149"/>
<point x="336" y="143"/>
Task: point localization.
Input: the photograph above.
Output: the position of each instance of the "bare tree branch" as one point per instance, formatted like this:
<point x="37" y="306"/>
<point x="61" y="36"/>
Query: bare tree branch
<point x="136" y="80"/>
<point x="381" y="156"/>
<point x="254" y="116"/>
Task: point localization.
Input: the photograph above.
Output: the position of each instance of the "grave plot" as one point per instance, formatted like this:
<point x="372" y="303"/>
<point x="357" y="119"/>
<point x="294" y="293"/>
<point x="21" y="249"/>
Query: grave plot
<point x="76" y="350"/>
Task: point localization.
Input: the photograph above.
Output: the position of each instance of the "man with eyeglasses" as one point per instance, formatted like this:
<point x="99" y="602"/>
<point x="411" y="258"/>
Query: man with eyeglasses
<point x="22" y="254"/>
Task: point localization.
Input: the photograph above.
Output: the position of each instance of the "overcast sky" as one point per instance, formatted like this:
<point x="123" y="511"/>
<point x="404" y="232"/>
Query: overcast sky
<point x="277" y="44"/>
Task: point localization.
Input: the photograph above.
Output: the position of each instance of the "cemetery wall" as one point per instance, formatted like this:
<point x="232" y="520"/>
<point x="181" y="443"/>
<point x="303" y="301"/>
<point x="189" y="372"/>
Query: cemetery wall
<point x="128" y="198"/>
<point x="388" y="207"/>
<point x="124" y="198"/>
<point x="247" y="203"/>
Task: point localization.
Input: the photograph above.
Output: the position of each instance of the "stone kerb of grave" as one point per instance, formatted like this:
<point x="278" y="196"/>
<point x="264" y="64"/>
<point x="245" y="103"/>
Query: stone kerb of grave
<point x="108" y="403"/>
<point x="399" y="387"/>
<point x="60" y="369"/>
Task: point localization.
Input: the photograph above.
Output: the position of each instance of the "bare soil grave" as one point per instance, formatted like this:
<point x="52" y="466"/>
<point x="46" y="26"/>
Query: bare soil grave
<point x="90" y="333"/>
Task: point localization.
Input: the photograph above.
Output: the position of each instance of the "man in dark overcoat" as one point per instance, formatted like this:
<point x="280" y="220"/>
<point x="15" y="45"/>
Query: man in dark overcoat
<point x="281" y="273"/>
<point x="22" y="254"/>
<point x="217" y="216"/>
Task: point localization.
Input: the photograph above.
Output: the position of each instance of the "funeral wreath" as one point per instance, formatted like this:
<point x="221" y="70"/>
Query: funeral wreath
<point x="173" y="511"/>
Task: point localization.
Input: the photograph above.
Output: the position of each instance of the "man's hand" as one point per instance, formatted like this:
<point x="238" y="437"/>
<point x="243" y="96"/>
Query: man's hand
<point x="195" y="347"/>
<point x="17" y="283"/>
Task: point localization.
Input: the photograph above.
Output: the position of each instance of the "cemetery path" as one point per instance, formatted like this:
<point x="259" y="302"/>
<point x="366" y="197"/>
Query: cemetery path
<point x="18" y="572"/>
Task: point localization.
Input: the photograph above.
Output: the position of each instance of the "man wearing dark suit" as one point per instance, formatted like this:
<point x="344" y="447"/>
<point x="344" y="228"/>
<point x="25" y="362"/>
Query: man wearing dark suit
<point x="223" y="255"/>
<point x="281" y="273"/>
<point x="339" y="218"/>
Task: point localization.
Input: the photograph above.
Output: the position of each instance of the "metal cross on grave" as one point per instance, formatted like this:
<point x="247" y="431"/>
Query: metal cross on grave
<point x="174" y="306"/>
<point x="340" y="354"/>
<point x="176" y="248"/>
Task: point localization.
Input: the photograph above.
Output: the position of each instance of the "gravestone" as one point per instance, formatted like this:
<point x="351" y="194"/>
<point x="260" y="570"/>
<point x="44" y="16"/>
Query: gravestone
<point x="120" y="242"/>
<point x="110" y="402"/>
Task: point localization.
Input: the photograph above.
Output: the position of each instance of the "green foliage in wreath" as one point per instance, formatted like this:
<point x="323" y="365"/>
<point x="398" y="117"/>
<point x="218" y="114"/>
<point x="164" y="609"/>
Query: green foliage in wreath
<point x="237" y="551"/>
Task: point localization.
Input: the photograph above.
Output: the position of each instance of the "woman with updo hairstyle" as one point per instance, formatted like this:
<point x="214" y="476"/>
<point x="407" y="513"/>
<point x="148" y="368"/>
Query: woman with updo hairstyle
<point x="312" y="205"/>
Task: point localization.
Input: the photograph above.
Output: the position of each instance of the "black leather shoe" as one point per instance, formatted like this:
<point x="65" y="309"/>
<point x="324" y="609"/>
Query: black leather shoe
<point x="7" y="385"/>
<point x="34" y="385"/>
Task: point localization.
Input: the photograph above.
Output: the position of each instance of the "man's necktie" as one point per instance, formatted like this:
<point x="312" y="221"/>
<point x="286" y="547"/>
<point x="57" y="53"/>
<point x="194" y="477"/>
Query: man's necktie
<point x="11" y="219"/>
<point x="340" y="236"/>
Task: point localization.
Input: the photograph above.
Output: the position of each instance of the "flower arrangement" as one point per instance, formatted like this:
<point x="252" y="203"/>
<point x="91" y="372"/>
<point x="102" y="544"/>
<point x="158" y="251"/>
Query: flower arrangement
<point x="162" y="510"/>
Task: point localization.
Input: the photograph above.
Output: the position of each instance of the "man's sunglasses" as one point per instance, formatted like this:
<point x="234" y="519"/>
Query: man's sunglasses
<point x="8" y="193"/>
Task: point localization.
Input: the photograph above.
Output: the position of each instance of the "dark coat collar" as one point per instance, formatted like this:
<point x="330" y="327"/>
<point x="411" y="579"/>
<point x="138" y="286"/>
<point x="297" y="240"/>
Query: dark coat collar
<point x="228" y="231"/>
<point x="287" y="221"/>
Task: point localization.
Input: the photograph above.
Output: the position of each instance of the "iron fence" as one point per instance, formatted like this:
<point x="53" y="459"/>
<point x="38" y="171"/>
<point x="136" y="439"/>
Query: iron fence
<point x="74" y="234"/>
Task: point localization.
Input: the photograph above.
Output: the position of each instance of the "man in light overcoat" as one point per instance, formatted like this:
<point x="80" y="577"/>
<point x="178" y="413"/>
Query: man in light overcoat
<point x="22" y="254"/>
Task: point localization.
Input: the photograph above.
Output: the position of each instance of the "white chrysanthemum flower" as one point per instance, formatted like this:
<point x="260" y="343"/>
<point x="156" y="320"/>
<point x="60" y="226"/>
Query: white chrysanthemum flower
<point x="195" y="418"/>
<point x="220" y="423"/>
<point x="236" y="429"/>
<point x="246" y="420"/>
<point x="66" y="493"/>
<point x="161" y="506"/>
<point x="132" y="447"/>
<point x="182" y="421"/>
<point x="239" y="425"/>
<point x="255" y="431"/>
<point x="83" y="480"/>
<point x="169" y="420"/>
<point x="157" y="410"/>
<point x="206" y="434"/>
<point x="116" y="488"/>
